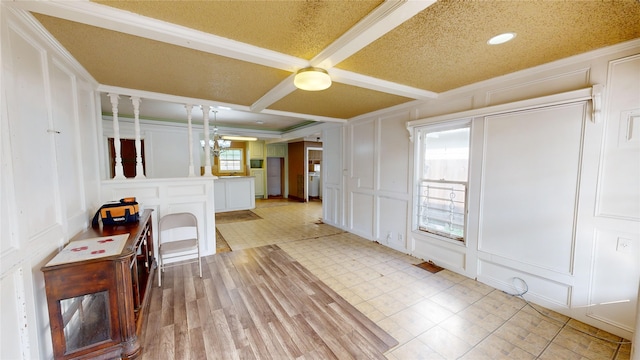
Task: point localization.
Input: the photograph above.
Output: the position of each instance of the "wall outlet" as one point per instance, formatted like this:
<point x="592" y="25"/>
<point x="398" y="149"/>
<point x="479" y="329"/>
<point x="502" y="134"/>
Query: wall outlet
<point x="624" y="245"/>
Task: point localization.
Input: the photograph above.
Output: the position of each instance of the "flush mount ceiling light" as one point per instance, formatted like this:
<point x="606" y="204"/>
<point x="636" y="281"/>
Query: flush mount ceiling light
<point x="501" y="39"/>
<point x="312" y="79"/>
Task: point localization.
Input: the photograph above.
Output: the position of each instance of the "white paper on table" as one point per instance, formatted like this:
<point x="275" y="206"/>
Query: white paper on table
<point x="87" y="249"/>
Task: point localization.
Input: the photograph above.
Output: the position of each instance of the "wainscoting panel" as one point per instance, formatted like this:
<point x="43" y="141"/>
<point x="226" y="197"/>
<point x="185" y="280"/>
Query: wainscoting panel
<point x="331" y="205"/>
<point x="552" y="294"/>
<point x="442" y="253"/>
<point x="616" y="272"/>
<point x="201" y="205"/>
<point x="392" y="223"/>
<point x="362" y="214"/>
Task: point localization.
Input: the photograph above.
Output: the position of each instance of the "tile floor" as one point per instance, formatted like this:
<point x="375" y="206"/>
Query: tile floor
<point x="433" y="316"/>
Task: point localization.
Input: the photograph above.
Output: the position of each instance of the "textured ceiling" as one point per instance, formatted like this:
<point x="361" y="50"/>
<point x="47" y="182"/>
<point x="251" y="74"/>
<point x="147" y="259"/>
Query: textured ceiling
<point x="380" y="54"/>
<point x="297" y="28"/>
<point x="445" y="46"/>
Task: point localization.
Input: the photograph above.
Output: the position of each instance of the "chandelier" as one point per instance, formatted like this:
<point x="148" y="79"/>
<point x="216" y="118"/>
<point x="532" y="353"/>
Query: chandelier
<point x="217" y="145"/>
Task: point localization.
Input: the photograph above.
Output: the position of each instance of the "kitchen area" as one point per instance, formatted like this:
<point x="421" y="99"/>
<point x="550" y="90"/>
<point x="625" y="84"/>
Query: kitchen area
<point x="275" y="170"/>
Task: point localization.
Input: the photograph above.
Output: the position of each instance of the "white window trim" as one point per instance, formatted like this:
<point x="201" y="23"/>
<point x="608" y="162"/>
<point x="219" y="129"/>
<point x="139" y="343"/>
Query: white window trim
<point x="418" y="135"/>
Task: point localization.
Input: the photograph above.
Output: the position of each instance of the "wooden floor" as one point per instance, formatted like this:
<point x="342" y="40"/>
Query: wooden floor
<point x="255" y="303"/>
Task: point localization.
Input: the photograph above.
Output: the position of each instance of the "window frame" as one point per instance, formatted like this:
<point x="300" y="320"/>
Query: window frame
<point x="239" y="161"/>
<point x="420" y="134"/>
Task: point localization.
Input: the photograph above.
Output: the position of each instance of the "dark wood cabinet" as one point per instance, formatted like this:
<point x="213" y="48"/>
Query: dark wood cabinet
<point x="97" y="291"/>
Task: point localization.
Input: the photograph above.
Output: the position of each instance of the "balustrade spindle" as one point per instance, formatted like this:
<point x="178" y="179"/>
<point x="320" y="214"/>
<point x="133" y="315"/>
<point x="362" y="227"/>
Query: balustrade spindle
<point x="136" y="121"/>
<point x="189" y="107"/>
<point x="118" y="171"/>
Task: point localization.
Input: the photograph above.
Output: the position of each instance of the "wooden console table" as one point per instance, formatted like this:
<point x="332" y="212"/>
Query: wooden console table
<point x="98" y="291"/>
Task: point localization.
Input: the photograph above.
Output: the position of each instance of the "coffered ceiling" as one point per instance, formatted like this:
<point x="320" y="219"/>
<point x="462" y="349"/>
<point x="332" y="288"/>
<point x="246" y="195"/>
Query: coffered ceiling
<point x="243" y="54"/>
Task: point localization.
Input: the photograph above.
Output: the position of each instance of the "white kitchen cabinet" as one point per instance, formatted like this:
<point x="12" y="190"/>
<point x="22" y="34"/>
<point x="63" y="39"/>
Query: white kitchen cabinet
<point x="258" y="174"/>
<point x="276" y="150"/>
<point x="233" y="193"/>
<point x="256" y="149"/>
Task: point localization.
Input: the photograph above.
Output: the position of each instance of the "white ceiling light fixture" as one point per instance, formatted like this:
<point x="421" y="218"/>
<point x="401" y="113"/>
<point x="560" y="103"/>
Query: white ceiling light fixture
<point x="239" y="138"/>
<point x="502" y="38"/>
<point x="312" y="79"/>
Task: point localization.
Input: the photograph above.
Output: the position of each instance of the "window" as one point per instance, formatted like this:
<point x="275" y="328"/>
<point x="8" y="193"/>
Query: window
<point x="230" y="160"/>
<point x="443" y="179"/>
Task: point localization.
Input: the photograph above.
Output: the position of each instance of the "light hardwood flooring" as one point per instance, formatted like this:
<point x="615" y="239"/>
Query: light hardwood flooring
<point x="431" y="316"/>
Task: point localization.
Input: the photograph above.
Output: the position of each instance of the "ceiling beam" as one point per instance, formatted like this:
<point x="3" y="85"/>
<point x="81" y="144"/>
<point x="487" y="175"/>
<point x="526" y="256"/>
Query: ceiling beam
<point x="106" y="17"/>
<point x="284" y="88"/>
<point x="368" y="82"/>
<point x="380" y="21"/>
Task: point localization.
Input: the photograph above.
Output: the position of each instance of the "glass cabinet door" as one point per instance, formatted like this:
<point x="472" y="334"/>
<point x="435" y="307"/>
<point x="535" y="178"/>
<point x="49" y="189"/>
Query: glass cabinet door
<point x="86" y="320"/>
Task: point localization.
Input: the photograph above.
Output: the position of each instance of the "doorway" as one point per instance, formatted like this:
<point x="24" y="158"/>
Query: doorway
<point x="128" y="155"/>
<point x="275" y="177"/>
<point x="313" y="174"/>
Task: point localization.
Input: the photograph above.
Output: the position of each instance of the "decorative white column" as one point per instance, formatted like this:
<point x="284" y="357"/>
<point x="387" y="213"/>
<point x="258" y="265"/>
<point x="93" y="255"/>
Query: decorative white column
<point x="135" y="100"/>
<point x="119" y="171"/>
<point x="189" y="107"/>
<point x="207" y="147"/>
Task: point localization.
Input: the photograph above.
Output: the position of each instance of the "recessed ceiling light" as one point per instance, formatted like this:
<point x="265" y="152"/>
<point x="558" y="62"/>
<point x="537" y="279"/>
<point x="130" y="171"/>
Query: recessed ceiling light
<point x="501" y="39"/>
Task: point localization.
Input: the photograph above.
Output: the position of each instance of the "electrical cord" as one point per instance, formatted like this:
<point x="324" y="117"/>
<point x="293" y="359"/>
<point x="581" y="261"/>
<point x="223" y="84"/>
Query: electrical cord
<point x="521" y="293"/>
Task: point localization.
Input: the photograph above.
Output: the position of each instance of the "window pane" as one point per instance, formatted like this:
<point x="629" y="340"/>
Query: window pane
<point x="446" y="155"/>
<point x="442" y="188"/>
<point x="442" y="208"/>
<point x="230" y="160"/>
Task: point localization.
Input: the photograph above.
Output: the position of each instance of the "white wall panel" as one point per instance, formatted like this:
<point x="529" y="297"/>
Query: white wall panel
<point x="530" y="175"/>
<point x="616" y="274"/>
<point x="43" y="182"/>
<point x="88" y="128"/>
<point x="332" y="206"/>
<point x="332" y="156"/>
<point x="553" y="294"/>
<point x="9" y="236"/>
<point x="14" y="344"/>
<point x="171" y="153"/>
<point x="363" y="155"/>
<point x="166" y="195"/>
<point x="66" y="139"/>
<point x="394" y="155"/>
<point x="333" y="176"/>
<point x="32" y="145"/>
<point x="619" y="193"/>
<point x="392" y="223"/>
<point x="362" y="214"/>
<point x="447" y="255"/>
